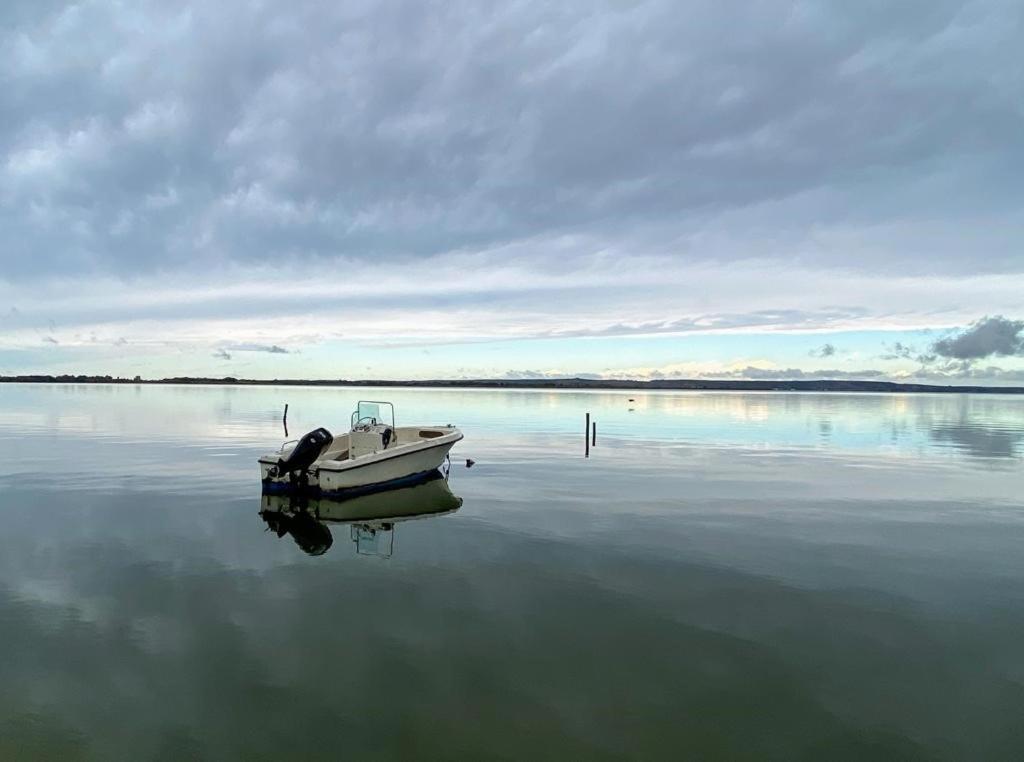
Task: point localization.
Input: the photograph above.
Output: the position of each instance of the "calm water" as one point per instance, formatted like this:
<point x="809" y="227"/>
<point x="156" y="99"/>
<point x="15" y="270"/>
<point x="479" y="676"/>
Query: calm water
<point x="728" y="576"/>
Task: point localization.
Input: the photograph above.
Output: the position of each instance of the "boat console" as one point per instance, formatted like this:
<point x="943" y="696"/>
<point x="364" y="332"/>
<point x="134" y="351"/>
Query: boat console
<point x="373" y="428"/>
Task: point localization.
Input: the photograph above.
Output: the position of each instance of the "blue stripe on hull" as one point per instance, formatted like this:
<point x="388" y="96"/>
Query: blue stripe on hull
<point x="284" y="488"/>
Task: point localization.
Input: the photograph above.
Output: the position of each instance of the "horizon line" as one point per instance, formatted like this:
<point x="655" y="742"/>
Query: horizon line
<point x="565" y="382"/>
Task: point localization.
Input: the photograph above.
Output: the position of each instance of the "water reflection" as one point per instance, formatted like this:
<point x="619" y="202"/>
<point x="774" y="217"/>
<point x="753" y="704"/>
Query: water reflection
<point x="980" y="441"/>
<point x="94" y="421"/>
<point x="371" y="518"/>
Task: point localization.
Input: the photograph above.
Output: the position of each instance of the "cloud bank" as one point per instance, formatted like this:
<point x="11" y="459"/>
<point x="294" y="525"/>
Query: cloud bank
<point x="209" y="179"/>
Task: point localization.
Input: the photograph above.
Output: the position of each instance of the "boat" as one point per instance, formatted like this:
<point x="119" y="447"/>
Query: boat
<point x="372" y="517"/>
<point x="374" y="454"/>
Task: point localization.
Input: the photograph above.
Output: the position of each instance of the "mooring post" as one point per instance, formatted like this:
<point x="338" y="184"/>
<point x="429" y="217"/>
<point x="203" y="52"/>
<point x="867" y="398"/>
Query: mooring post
<point x="593" y="438"/>
<point x="586" y="438"/>
<point x="284" y="420"/>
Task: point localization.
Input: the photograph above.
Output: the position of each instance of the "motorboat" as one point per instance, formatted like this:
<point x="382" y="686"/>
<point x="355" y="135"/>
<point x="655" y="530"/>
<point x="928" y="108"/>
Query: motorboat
<point x="374" y="454"/>
<point x="372" y="517"/>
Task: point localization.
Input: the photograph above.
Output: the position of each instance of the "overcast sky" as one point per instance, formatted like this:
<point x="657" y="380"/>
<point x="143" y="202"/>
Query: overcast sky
<point x="441" y="189"/>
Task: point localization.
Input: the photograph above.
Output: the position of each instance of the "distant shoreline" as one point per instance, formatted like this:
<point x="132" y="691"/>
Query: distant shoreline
<point x="822" y="385"/>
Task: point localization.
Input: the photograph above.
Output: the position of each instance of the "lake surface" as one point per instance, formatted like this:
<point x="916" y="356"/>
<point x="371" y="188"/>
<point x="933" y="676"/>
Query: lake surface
<point x="728" y="575"/>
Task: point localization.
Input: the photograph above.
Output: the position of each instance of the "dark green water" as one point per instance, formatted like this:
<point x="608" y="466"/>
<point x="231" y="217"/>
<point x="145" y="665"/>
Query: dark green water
<point x="729" y="576"/>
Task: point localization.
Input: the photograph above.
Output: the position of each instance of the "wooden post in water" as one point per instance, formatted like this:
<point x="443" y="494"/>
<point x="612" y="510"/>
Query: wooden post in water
<point x="586" y="438"/>
<point x="284" y="420"/>
<point x="593" y="436"/>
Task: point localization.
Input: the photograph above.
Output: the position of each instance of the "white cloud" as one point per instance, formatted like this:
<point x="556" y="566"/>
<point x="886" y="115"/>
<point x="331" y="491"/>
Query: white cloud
<point x="468" y="298"/>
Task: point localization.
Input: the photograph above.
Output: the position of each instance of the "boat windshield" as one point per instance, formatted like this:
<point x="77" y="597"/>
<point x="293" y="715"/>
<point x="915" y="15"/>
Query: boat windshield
<point x="370" y="411"/>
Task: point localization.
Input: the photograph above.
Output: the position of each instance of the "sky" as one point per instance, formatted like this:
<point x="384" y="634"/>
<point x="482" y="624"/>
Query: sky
<point x="417" y="189"/>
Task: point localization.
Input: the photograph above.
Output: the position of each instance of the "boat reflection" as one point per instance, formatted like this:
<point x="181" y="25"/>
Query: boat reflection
<point x="371" y="518"/>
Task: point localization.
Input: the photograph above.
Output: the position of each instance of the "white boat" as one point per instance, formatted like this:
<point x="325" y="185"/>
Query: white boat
<point x="374" y="454"/>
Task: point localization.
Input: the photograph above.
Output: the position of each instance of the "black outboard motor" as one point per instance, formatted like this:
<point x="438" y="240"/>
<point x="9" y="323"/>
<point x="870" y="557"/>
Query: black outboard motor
<point x="305" y="452"/>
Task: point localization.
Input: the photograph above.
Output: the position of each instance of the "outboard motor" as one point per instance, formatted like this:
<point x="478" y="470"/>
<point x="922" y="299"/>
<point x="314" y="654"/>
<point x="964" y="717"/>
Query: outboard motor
<point x="305" y="452"/>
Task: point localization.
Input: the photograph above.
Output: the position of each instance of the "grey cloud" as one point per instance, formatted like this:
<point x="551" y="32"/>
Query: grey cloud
<point x="991" y="336"/>
<point x="524" y="375"/>
<point x="529" y="374"/>
<point x="159" y="137"/>
<point x="50" y="340"/>
<point x="825" y="350"/>
<point x="273" y="349"/>
<point x="791" y="318"/>
<point x="898" y="351"/>
<point x="754" y="373"/>
<point x="965" y="371"/>
<point x="224" y="352"/>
